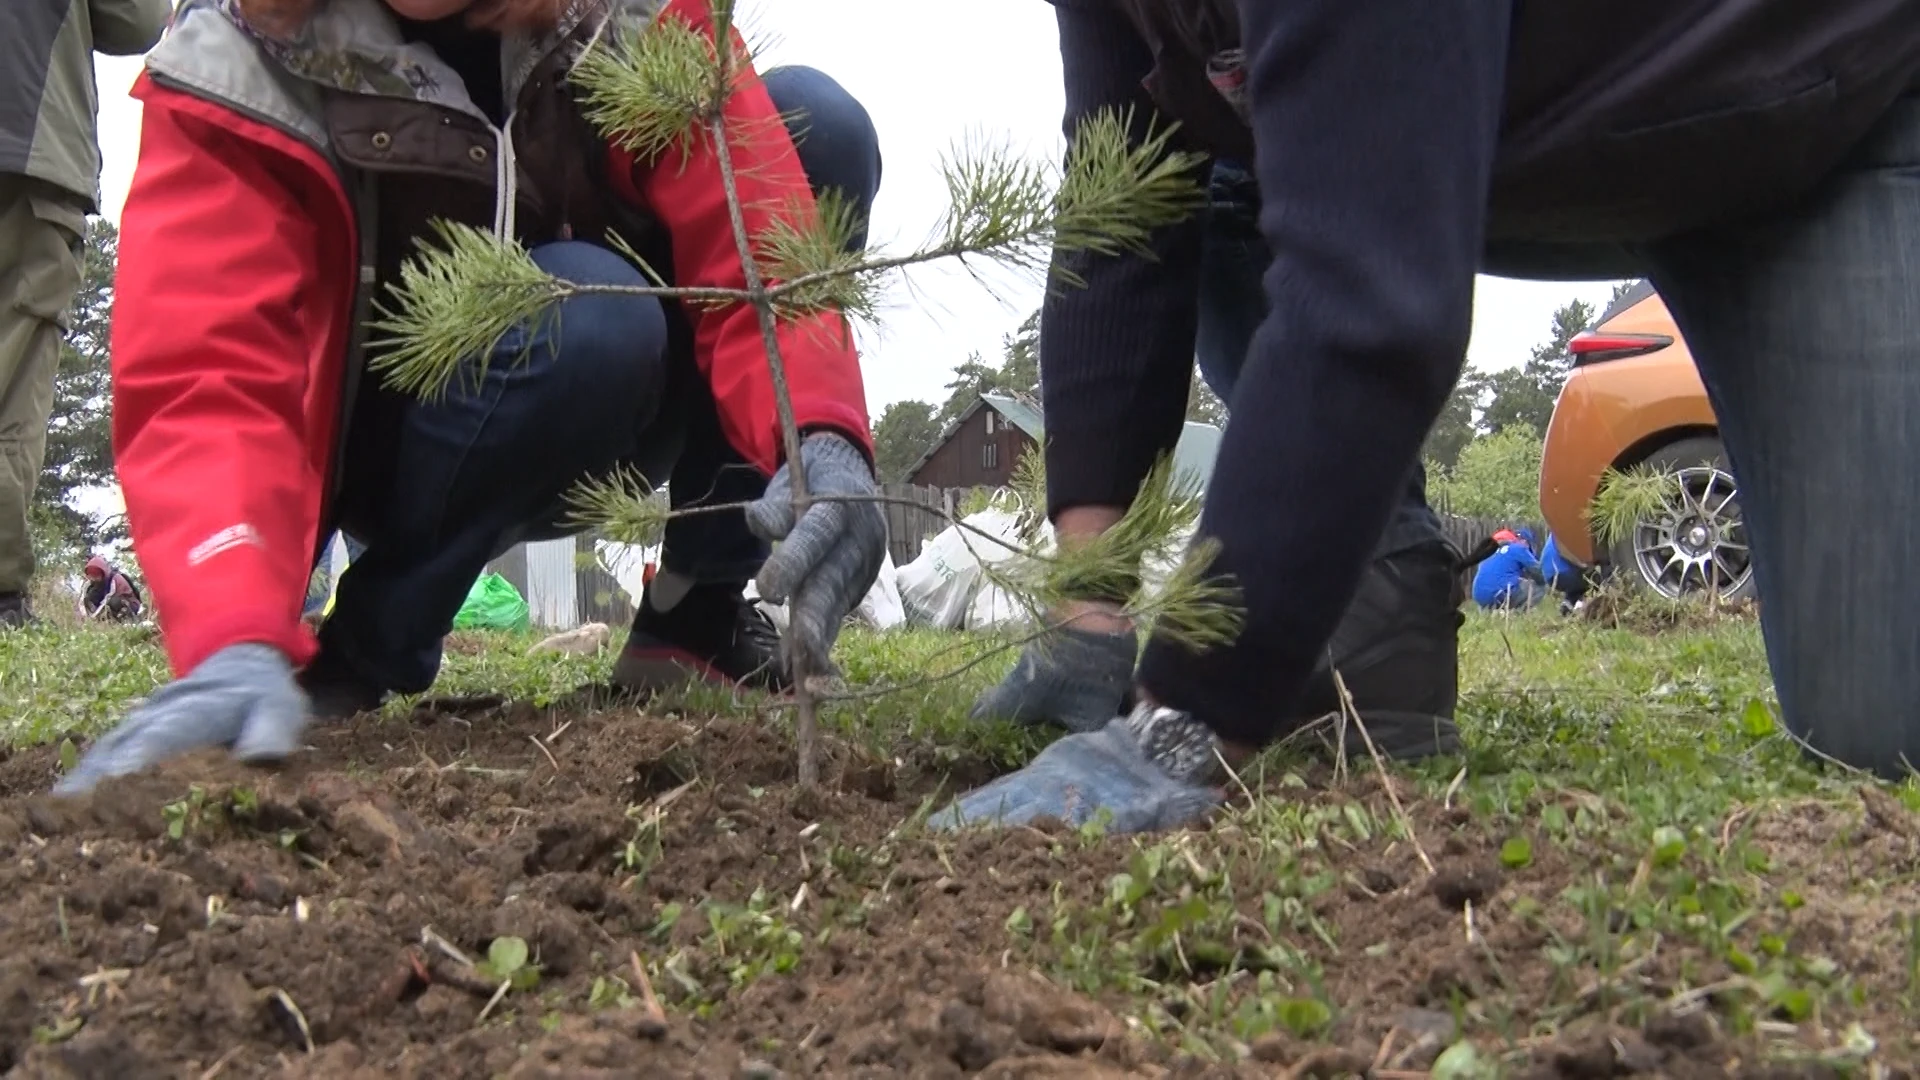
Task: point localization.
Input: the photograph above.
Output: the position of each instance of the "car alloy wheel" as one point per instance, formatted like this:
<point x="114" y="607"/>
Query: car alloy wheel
<point x="1699" y="540"/>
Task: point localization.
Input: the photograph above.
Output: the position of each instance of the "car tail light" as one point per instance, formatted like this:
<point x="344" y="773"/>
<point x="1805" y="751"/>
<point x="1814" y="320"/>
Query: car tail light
<point x="1599" y="346"/>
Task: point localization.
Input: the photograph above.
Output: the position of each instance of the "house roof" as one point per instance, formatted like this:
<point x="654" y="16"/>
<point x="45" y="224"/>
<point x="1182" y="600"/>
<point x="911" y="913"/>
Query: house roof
<point x="1022" y="414"/>
<point x="1193" y="456"/>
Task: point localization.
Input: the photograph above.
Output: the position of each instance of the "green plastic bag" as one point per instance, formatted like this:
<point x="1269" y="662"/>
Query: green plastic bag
<point x="492" y="604"/>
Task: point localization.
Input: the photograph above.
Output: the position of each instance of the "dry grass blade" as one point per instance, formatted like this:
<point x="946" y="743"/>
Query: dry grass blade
<point x="498" y="996"/>
<point x="1386" y="778"/>
<point x="647" y="996"/>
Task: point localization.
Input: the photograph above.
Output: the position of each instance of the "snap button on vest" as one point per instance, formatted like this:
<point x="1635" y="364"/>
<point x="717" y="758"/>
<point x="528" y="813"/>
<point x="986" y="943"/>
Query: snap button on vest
<point x="381" y="140"/>
<point x="477" y="153"/>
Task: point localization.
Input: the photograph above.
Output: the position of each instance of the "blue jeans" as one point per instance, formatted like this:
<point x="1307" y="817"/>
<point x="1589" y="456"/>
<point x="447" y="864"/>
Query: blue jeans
<point x="1806" y="329"/>
<point x="605" y="381"/>
<point x="1521" y="597"/>
<point x="1233" y="304"/>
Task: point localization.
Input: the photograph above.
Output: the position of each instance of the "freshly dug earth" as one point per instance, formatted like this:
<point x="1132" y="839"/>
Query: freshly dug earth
<point x="212" y="921"/>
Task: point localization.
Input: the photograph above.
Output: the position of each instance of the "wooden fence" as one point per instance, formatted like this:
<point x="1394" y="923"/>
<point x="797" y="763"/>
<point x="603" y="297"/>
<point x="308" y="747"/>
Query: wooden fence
<point x="910" y="527"/>
<point x="564" y="584"/>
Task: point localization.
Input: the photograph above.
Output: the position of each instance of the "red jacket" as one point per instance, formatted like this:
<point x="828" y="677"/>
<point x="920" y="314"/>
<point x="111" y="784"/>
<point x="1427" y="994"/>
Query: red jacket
<point x="232" y="303"/>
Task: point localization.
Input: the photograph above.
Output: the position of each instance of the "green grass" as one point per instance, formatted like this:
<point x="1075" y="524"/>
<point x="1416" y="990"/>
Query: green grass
<point x="1637" y="767"/>
<point x="1677" y="726"/>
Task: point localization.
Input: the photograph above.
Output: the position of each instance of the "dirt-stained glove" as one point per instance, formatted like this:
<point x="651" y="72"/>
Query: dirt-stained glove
<point x="1075" y="678"/>
<point x="242" y="697"/>
<point x="829" y="557"/>
<point x="1153" y="769"/>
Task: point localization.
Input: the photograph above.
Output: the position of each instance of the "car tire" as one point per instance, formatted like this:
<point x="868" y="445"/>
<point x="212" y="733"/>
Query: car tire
<point x="1706" y="523"/>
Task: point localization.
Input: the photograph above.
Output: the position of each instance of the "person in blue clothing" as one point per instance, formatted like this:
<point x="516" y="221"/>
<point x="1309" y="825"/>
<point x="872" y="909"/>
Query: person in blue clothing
<point x="1510" y="578"/>
<point x="1562" y="576"/>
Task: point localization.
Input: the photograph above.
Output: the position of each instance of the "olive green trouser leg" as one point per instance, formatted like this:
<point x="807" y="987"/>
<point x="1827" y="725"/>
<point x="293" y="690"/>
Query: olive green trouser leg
<point x="41" y="231"/>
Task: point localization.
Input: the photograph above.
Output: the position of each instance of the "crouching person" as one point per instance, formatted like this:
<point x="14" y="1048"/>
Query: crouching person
<point x="110" y="594"/>
<point x="292" y="156"/>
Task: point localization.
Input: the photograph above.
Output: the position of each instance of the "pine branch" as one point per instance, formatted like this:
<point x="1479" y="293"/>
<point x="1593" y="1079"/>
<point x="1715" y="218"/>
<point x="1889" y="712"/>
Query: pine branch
<point x="461" y="294"/>
<point x="1012" y="212"/>
<point x="650" y="89"/>
<point x="815" y="257"/>
<point x="1194" y="606"/>
<point x="454" y="303"/>
<point x="624" y="508"/>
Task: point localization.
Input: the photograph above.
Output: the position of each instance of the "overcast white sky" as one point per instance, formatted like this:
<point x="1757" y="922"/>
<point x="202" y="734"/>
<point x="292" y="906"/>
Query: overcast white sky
<point x="925" y="79"/>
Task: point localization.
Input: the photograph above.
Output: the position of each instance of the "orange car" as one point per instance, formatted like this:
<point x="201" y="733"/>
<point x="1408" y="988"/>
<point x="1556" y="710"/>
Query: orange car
<point x="1634" y="398"/>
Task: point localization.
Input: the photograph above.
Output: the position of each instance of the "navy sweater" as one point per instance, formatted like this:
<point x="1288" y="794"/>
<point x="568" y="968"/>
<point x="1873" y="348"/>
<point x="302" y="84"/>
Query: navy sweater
<point x="1376" y="126"/>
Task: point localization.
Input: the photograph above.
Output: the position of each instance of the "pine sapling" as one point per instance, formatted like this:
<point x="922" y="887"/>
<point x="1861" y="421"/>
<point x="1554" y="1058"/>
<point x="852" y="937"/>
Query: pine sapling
<point x="661" y="88"/>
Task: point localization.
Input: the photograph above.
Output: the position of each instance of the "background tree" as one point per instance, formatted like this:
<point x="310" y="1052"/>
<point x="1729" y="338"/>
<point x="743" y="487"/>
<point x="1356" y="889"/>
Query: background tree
<point x="1457" y="424"/>
<point x="80" y="427"/>
<point x="1525" y="395"/>
<point x="904" y="433"/>
<point x="1498" y="476"/>
<point x="1020" y="367"/>
<point x="1018" y="373"/>
<point x="971" y="378"/>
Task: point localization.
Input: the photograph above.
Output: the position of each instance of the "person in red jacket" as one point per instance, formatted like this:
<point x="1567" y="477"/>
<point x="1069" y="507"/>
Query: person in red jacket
<point x="109" y="593"/>
<point x="293" y="152"/>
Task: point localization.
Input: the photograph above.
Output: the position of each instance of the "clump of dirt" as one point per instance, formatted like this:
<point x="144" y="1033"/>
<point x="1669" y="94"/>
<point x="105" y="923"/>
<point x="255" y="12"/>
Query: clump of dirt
<point x="685" y="911"/>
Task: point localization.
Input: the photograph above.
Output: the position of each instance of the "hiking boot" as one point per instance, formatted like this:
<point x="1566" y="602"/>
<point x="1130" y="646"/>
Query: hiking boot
<point x="711" y="634"/>
<point x="337" y="692"/>
<point x="1397" y="650"/>
<point x="14" y="614"/>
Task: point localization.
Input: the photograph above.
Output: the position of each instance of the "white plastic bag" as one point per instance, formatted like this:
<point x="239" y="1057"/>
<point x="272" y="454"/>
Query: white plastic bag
<point x="627" y="564"/>
<point x="994" y="607"/>
<point x="937" y="587"/>
<point x="881" y="608"/>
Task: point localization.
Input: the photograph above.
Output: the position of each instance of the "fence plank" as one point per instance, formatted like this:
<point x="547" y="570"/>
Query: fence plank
<point x="910" y="526"/>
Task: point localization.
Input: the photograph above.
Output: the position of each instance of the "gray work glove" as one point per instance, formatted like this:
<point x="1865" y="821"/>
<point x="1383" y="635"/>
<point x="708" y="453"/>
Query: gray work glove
<point x="1074" y="678"/>
<point x="829" y="557"/>
<point x="1153" y="769"/>
<point x="242" y="697"/>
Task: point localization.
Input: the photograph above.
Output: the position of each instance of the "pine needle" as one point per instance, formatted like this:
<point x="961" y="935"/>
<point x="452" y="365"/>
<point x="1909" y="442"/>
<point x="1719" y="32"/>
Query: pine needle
<point x="1627" y="497"/>
<point x="998" y="207"/>
<point x="1114" y="194"/>
<point x="623" y="507"/>
<point x="455" y="301"/>
<point x="816" y="254"/>
<point x="1194" y="606"/>
<point x="649" y="90"/>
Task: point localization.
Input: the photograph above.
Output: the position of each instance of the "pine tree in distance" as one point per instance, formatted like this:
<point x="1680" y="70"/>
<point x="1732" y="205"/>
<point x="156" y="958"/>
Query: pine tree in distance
<point x="664" y="85"/>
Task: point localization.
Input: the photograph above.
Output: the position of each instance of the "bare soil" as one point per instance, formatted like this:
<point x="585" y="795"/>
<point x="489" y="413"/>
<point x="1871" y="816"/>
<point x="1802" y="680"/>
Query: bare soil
<point x="304" y="923"/>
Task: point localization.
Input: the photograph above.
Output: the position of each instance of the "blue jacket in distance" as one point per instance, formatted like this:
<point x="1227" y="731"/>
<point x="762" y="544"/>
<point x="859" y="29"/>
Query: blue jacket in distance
<point x="1553" y="565"/>
<point x="1503" y="571"/>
